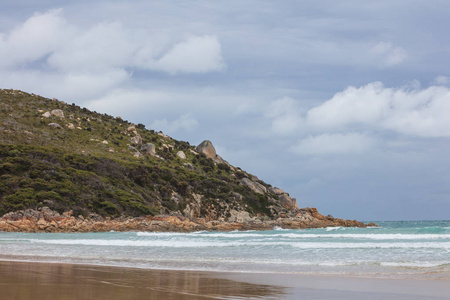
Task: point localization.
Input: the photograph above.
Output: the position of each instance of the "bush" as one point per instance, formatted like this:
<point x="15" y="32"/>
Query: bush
<point x="21" y="199"/>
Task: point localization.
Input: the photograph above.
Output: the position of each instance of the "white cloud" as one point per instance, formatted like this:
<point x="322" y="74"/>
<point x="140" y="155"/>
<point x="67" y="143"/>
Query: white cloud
<point x="48" y="55"/>
<point x="421" y="112"/>
<point x="325" y="144"/>
<point x="354" y="105"/>
<point x="441" y="80"/>
<point x="36" y="37"/>
<point x="285" y="115"/>
<point x="391" y="55"/>
<point x="104" y="46"/>
<point x="185" y="122"/>
<point x="197" y="54"/>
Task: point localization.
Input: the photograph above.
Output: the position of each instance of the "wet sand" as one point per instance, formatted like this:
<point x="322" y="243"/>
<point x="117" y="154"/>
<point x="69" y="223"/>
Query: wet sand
<point x="39" y="281"/>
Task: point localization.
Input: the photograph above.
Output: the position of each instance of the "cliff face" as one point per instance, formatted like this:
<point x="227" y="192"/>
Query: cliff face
<point x="63" y="158"/>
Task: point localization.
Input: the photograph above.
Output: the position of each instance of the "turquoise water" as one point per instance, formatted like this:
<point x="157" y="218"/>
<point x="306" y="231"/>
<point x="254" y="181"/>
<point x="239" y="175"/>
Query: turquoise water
<point x="412" y="249"/>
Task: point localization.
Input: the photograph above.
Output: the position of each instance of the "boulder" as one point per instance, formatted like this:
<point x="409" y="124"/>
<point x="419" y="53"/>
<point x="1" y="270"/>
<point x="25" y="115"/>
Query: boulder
<point x="276" y="191"/>
<point x="137" y="140"/>
<point x="55" y="125"/>
<point x="254" y="186"/>
<point x="181" y="155"/>
<point x="58" y="113"/>
<point x="239" y="216"/>
<point x="47" y="114"/>
<point x="287" y="202"/>
<point x="207" y="148"/>
<point x="148" y="149"/>
<point x="220" y="160"/>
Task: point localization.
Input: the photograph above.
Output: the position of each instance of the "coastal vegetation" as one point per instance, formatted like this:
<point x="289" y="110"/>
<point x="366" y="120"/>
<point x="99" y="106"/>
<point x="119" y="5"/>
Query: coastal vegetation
<point x="66" y="157"/>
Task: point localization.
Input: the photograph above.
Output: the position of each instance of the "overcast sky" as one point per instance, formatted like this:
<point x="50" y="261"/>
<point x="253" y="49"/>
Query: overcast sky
<point x="343" y="104"/>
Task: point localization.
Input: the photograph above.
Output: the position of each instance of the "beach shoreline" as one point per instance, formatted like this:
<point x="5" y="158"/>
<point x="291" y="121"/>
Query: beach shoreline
<point x="39" y="280"/>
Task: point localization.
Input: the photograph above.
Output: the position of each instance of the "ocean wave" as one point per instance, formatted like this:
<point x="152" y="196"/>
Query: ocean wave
<point x="422" y="264"/>
<point x="242" y="243"/>
<point x="262" y="235"/>
<point x="430" y="245"/>
<point x="137" y="243"/>
<point x="333" y="228"/>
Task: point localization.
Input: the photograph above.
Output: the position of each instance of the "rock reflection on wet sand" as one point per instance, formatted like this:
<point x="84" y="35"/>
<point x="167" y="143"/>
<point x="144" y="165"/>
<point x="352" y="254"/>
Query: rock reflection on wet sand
<point x="39" y="281"/>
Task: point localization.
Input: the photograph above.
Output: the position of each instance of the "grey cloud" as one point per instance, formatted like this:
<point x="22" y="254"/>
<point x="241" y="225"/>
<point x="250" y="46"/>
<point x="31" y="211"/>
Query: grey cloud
<point x="185" y="122"/>
<point x="194" y="55"/>
<point x="326" y="144"/>
<point x="391" y="55"/>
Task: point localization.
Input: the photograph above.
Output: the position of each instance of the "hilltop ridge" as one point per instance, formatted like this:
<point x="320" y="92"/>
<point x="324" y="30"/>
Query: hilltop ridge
<point x="64" y="161"/>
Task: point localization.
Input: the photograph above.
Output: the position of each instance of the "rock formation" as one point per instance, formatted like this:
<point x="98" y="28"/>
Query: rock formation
<point x="181" y="155"/>
<point x="55" y="125"/>
<point x="58" y="113"/>
<point x="207" y="148"/>
<point x="137" y="140"/>
<point x="254" y="186"/>
<point x="148" y="149"/>
<point x="46" y="220"/>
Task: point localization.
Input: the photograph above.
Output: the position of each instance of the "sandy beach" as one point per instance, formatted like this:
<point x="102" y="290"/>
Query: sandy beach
<point x="39" y="281"/>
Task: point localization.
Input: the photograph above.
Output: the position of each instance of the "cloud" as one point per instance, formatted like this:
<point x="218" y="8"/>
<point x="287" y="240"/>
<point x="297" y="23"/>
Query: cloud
<point x="390" y="55"/>
<point x="325" y="144"/>
<point x="35" y="38"/>
<point x="286" y="116"/>
<point x="422" y="112"/>
<point x="185" y="122"/>
<point x="197" y="54"/>
<point x="441" y="80"/>
<point x="103" y="46"/>
<point x="47" y="54"/>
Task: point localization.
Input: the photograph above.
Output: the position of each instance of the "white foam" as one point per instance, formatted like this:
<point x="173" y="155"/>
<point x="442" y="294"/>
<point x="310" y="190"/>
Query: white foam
<point x="139" y="243"/>
<point x="422" y="264"/>
<point x="430" y="245"/>
<point x="248" y="234"/>
<point x="165" y="233"/>
<point x="278" y="228"/>
<point x="333" y="228"/>
<point x="201" y="243"/>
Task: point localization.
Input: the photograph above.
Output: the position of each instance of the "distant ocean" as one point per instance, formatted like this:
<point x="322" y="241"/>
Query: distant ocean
<point x="406" y="249"/>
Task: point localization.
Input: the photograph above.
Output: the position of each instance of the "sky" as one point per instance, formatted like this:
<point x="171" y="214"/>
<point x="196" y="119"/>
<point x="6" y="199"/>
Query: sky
<point x="343" y="104"/>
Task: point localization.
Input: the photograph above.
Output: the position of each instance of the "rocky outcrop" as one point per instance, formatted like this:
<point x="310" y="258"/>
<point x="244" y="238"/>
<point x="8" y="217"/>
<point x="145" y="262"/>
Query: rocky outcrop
<point x="132" y="129"/>
<point x="239" y="216"/>
<point x="207" y="148"/>
<point x="55" y="125"/>
<point x="287" y="202"/>
<point x="46" y="220"/>
<point x="47" y="114"/>
<point x="181" y="155"/>
<point x="136" y="140"/>
<point x="254" y="186"/>
<point x="57" y="113"/>
<point x="148" y="149"/>
<point x="284" y="200"/>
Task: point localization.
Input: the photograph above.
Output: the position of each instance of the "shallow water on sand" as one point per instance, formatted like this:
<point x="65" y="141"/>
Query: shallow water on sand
<point x="418" y="250"/>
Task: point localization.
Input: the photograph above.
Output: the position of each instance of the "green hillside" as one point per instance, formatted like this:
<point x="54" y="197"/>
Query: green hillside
<point x="69" y="158"/>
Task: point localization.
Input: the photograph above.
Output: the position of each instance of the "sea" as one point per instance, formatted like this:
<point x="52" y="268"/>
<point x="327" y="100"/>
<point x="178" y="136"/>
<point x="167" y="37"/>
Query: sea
<point x="401" y="249"/>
